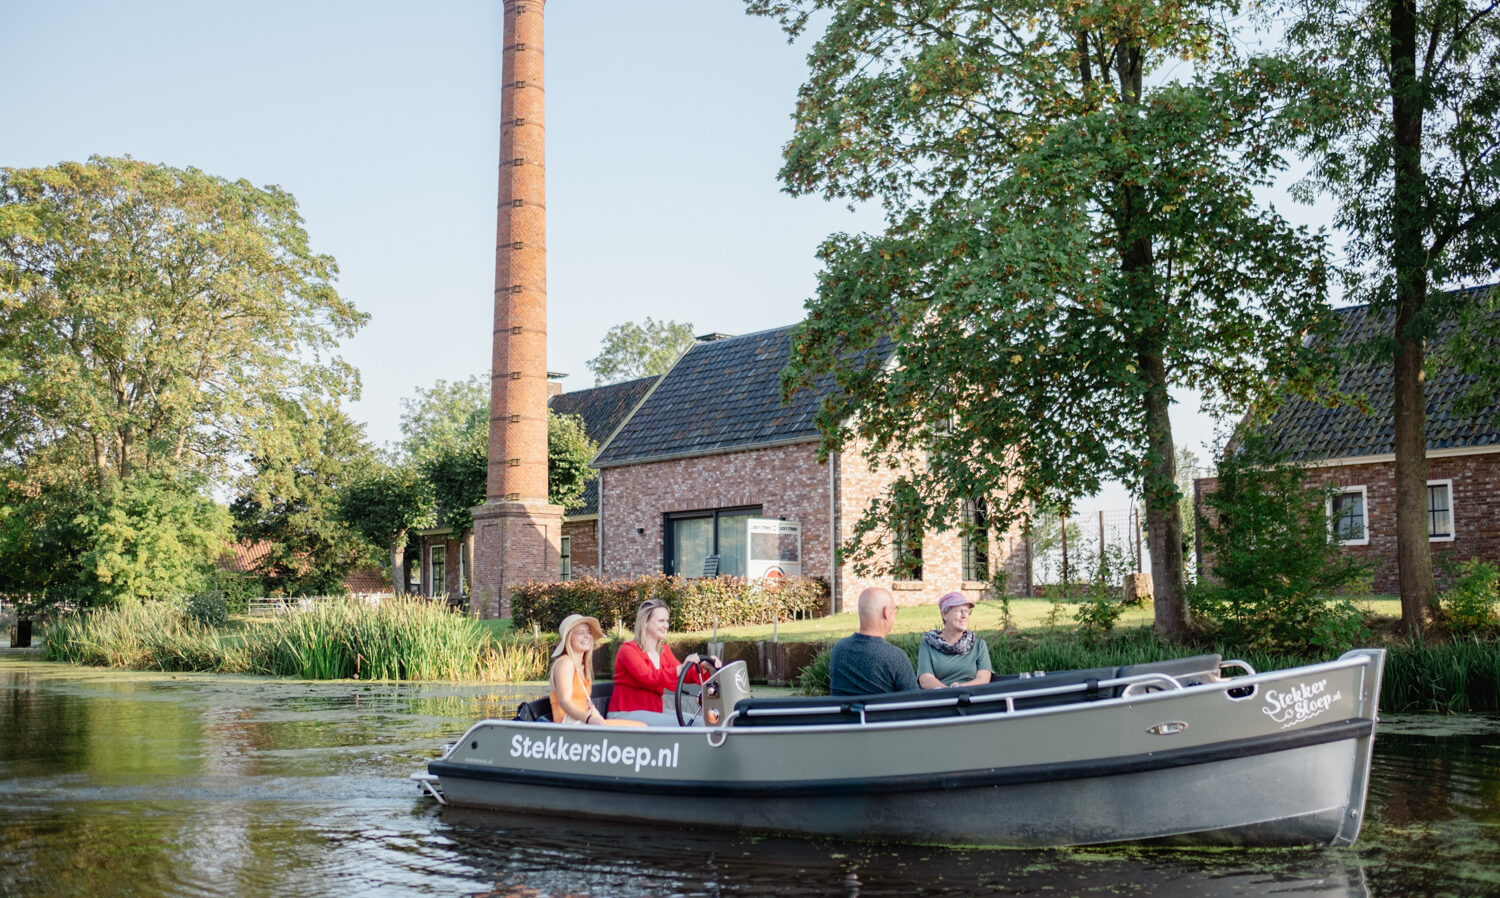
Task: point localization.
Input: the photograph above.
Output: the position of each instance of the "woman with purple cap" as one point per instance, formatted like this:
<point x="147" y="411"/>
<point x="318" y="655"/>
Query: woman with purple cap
<point x="954" y="655"/>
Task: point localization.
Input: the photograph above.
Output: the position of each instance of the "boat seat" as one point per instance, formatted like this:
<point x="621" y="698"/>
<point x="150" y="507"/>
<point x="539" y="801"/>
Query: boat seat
<point x="1192" y="671"/>
<point x="539" y="710"/>
<point x="798" y="710"/>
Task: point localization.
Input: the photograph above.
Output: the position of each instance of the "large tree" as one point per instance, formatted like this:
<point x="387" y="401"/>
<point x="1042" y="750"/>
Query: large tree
<point x="153" y="318"/>
<point x="153" y="321"/>
<point x="632" y="350"/>
<point x="1071" y="233"/>
<point x="1400" y="114"/>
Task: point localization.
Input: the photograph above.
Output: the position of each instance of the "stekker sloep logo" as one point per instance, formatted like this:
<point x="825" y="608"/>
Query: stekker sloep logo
<point x="561" y="748"/>
<point x="1300" y="703"/>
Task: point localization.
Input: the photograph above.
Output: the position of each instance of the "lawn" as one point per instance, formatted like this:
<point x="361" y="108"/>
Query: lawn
<point x="1026" y="614"/>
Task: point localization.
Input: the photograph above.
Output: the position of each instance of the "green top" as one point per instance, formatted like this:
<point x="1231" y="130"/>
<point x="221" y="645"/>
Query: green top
<point x="950" y="669"/>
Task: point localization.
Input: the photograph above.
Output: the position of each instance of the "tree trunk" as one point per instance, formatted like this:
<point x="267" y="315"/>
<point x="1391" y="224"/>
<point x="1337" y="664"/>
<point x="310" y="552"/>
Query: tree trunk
<point x="398" y="564"/>
<point x="1409" y="403"/>
<point x="1163" y="508"/>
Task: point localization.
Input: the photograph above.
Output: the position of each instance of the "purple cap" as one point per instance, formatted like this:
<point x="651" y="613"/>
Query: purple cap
<point x="953" y="600"/>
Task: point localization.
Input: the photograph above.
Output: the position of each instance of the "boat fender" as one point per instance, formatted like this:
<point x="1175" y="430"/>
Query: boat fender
<point x="1091" y="688"/>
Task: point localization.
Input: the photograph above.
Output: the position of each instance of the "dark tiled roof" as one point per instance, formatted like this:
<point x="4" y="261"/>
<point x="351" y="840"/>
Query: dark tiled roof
<point x="602" y="410"/>
<point x="1310" y="430"/>
<point x="722" y="395"/>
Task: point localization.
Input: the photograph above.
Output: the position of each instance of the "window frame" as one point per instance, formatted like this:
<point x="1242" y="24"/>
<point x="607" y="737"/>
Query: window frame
<point x="565" y="557"/>
<point x="1364" y="510"/>
<point x="916" y="573"/>
<point x="670" y="518"/>
<point x="1452" y="518"/>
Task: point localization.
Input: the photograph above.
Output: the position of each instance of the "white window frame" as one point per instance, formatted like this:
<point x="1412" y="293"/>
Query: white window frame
<point x="1364" y="505"/>
<point x="565" y="557"/>
<point x="1452" y="515"/>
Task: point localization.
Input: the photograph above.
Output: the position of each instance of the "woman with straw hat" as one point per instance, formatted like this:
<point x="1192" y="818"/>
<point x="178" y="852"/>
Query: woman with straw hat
<point x="573" y="673"/>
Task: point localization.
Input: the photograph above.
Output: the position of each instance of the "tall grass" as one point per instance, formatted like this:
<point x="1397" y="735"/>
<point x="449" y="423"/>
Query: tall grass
<point x="395" y="640"/>
<point x="1453" y="677"/>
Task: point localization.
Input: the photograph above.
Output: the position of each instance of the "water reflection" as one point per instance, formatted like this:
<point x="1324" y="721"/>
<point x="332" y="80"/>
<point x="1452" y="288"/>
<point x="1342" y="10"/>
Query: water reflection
<point x="196" y="785"/>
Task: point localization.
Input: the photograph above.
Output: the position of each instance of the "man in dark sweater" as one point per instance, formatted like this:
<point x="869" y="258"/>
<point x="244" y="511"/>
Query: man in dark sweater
<point x="865" y="663"/>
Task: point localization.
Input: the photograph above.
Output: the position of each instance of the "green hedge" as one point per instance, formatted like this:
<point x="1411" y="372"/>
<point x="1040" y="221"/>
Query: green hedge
<point x="695" y="604"/>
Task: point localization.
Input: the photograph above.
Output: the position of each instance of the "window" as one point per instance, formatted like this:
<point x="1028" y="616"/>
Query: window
<point x="567" y="558"/>
<point x="691" y="536"/>
<point x="976" y="541"/>
<point x="906" y="560"/>
<point x="1346" y="515"/>
<point x="1440" y="509"/>
<point x="437" y="561"/>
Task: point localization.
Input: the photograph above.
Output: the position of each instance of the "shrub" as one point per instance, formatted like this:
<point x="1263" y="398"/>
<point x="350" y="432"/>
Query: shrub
<point x="1097" y="613"/>
<point x="1469" y="604"/>
<point x="207" y="609"/>
<point x="1273" y="559"/>
<point x="694" y="604"/>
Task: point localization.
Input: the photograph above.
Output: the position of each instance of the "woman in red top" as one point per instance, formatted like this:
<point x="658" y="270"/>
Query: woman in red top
<point x="645" y="668"/>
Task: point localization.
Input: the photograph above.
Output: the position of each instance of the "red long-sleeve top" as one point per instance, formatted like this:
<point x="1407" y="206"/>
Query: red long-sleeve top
<point x="639" y="683"/>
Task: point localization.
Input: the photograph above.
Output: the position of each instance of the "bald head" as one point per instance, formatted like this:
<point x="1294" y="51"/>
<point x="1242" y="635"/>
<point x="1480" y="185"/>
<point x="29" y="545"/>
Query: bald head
<point x="877" y="612"/>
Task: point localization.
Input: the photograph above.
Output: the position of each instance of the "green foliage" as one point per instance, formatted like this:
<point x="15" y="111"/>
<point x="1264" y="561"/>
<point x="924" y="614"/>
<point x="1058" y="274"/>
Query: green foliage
<point x="1071" y="233"/>
<point x="291" y="500"/>
<point x="401" y="639"/>
<point x="1096" y="614"/>
<point x="569" y="451"/>
<point x="152" y="318"/>
<point x="237" y="589"/>
<point x="1272" y="558"/>
<point x="632" y="350"/>
<point x="383" y="504"/>
<point x="207" y="608"/>
<point x="1456" y="677"/>
<point x="1469" y="605"/>
<point x="694" y="604"/>
<point x="150" y="536"/>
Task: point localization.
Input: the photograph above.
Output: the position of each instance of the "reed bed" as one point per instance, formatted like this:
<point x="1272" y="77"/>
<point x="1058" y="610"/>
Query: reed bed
<point x="395" y="640"/>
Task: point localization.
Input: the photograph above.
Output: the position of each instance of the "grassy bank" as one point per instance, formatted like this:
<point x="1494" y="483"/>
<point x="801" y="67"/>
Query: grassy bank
<point x="396" y="640"/>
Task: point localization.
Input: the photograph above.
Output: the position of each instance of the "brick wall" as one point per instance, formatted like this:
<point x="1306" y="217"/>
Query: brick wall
<point x="585" y="547"/>
<point x="1476" y="511"/>
<point x="942" y="553"/>
<point x="786" y="481"/>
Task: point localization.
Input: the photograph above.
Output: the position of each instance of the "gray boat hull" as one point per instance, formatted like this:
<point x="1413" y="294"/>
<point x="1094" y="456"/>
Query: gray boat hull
<point x="1276" y="758"/>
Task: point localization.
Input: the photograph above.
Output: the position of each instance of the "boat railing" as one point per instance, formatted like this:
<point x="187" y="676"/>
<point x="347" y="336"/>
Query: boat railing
<point x="1148" y="682"/>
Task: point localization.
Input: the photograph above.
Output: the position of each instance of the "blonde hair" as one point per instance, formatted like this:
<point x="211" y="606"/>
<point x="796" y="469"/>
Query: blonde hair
<point x="641" y="616"/>
<point x="587" y="663"/>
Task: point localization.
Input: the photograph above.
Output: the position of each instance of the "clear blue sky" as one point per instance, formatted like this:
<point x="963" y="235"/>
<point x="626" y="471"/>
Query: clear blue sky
<point x="665" y="122"/>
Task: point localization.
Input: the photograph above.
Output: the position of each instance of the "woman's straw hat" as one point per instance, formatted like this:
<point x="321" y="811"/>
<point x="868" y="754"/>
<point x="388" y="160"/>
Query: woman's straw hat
<point x="566" y="627"/>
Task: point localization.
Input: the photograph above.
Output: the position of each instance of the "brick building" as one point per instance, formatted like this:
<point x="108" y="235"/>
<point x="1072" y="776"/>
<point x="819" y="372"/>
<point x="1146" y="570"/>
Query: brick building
<point x="1353" y="451"/>
<point x="687" y="459"/>
<point x="712" y="446"/>
<point x="438" y="561"/>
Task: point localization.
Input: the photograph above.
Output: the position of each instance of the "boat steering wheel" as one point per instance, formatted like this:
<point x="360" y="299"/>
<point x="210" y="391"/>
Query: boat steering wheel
<point x="708" y="673"/>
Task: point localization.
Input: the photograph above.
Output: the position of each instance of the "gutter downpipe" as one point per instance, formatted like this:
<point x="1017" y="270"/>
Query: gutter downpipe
<point x="833" y="571"/>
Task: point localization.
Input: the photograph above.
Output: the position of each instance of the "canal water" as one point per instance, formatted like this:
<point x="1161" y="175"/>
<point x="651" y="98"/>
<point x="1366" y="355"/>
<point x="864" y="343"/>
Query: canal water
<point x="116" y="783"/>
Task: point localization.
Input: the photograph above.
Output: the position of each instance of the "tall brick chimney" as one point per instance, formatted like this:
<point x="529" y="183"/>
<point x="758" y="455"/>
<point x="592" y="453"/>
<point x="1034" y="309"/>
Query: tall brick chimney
<point x="516" y="532"/>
